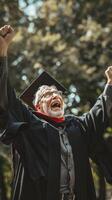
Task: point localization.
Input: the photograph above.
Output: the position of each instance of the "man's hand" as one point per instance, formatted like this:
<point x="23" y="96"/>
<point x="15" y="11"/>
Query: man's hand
<point x="108" y="74"/>
<point x="6" y="35"/>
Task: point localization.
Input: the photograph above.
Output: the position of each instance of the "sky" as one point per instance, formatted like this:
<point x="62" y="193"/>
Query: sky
<point x="30" y="10"/>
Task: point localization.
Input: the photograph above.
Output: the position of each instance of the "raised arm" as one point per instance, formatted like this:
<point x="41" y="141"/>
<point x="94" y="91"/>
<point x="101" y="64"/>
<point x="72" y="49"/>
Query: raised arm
<point x="8" y="100"/>
<point x="96" y="120"/>
<point x="94" y="124"/>
<point x="6" y="36"/>
<point x="13" y="114"/>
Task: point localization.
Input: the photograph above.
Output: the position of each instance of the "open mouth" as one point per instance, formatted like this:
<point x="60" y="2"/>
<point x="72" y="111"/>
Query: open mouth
<point x="56" y="104"/>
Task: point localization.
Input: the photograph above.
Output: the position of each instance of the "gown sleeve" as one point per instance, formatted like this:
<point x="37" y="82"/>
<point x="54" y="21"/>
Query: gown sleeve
<point x="94" y="124"/>
<point x="13" y="114"/>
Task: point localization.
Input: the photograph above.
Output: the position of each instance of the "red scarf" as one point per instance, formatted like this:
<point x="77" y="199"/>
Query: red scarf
<point x="55" y="119"/>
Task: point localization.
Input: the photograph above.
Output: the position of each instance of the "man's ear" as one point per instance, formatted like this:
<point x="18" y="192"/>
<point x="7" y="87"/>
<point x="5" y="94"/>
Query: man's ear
<point x="37" y="107"/>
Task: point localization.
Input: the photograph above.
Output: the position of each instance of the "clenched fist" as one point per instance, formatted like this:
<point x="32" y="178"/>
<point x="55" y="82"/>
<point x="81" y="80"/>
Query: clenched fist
<point x="6" y="35"/>
<point x="108" y="74"/>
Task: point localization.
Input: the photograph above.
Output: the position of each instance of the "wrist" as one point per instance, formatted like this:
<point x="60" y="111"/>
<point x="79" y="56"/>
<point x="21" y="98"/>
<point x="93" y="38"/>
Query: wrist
<point x="3" y="53"/>
<point x="109" y="82"/>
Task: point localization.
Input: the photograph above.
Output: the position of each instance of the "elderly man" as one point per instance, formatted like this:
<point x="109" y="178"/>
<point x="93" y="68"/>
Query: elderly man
<point x="51" y="151"/>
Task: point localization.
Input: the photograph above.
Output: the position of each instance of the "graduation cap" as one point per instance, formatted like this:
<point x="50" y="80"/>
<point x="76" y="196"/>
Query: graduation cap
<point x="44" y="79"/>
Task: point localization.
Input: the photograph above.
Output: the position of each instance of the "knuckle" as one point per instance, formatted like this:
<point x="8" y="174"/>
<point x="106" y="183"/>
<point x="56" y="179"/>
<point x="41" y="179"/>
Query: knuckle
<point x="1" y="29"/>
<point x="5" y="26"/>
<point x="106" y="71"/>
<point x="110" y="67"/>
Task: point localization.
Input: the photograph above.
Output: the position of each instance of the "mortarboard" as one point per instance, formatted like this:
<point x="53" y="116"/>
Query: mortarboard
<point x="44" y="79"/>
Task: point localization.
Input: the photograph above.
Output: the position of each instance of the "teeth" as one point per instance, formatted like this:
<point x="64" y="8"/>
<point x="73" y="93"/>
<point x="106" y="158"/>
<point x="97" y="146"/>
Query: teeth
<point x="55" y="104"/>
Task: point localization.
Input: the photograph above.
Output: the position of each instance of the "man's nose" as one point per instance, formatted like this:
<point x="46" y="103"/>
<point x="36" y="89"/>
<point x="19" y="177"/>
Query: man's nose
<point x="54" y="95"/>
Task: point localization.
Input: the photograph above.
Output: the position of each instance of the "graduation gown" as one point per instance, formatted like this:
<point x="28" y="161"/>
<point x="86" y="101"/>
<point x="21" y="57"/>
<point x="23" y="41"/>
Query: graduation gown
<point x="36" y="147"/>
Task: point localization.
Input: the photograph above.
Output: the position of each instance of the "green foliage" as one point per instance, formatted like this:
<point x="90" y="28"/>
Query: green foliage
<point x="69" y="38"/>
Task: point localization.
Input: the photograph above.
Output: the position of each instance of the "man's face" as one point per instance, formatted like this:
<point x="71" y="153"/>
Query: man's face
<point x="52" y="103"/>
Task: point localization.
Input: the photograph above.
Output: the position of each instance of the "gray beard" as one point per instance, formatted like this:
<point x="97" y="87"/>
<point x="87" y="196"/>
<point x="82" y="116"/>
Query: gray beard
<point x="52" y="113"/>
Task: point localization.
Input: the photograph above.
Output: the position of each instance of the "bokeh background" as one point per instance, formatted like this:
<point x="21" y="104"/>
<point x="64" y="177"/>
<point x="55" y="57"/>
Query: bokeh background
<point x="71" y="39"/>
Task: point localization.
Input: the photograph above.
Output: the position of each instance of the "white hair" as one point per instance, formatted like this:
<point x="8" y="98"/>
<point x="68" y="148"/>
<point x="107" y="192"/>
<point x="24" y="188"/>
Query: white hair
<point x="40" y="92"/>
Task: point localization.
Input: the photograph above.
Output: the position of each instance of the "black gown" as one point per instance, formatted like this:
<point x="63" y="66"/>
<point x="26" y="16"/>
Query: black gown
<point x="36" y="147"/>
